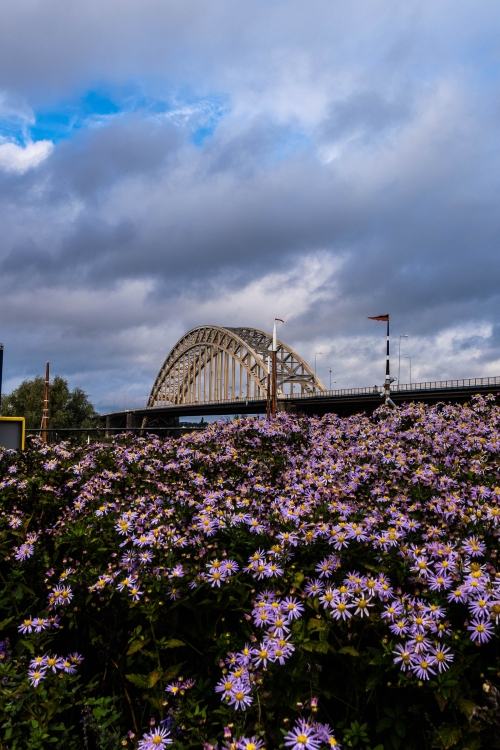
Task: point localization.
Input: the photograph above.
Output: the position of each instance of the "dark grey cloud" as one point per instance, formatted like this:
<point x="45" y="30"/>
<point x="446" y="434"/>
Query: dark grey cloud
<point x="353" y="171"/>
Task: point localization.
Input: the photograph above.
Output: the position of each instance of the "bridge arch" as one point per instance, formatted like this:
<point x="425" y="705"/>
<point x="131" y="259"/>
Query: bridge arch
<point x="212" y="363"/>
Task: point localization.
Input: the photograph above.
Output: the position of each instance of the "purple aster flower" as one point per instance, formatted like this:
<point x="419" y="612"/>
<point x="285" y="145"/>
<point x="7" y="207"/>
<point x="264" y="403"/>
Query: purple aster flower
<point x="36" y="674"/>
<point x="239" y="696"/>
<point x="226" y="685"/>
<point x="314" y="588"/>
<point x="403" y="656"/>
<point x="393" y="611"/>
<point x="24" y="551"/>
<point x="326" y="735"/>
<point x="229" y="567"/>
<point x="421" y="665"/>
<point x="54" y="663"/>
<point x="494" y="609"/>
<point x="38" y="662"/>
<point x="479" y="607"/>
<point x="440" y="582"/>
<point x="156" y="739"/>
<point x="481" y="630"/>
<point x="216" y="578"/>
<point x="174" y="687"/>
<point x="400" y="627"/>
<point x="362" y="605"/>
<point x="68" y="666"/>
<point x="302" y="737"/>
<point x="293" y="607"/>
<point x="458" y="595"/>
<point x="261" y="655"/>
<point x="474" y="547"/>
<point x="39" y="624"/>
<point x="443" y="657"/>
<point x="27" y="626"/>
<point x="250" y="743"/>
<point x="340" y="608"/>
<point x="135" y="593"/>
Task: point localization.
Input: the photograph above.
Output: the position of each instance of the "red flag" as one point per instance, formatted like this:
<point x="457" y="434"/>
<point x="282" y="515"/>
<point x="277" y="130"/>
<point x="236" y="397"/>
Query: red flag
<point x="380" y="317"/>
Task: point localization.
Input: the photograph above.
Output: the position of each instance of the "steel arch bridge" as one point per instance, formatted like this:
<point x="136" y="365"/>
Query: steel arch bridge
<point x="210" y="364"/>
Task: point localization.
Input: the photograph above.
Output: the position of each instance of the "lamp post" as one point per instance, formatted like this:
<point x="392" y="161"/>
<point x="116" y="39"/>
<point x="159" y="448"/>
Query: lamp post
<point x="404" y="336"/>
<point x="410" y="367"/>
<point x="330" y="370"/>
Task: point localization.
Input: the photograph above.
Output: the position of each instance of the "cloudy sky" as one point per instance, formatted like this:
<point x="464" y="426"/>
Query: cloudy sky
<point x="169" y="163"/>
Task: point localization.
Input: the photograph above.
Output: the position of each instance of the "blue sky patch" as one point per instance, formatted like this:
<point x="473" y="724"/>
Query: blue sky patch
<point x="99" y="106"/>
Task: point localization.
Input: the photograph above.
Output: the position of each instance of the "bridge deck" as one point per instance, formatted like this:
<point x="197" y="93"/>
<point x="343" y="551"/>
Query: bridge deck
<point x="343" y="402"/>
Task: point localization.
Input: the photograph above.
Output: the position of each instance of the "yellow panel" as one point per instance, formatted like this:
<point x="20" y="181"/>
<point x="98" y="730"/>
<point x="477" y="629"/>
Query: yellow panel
<point x="23" y="426"/>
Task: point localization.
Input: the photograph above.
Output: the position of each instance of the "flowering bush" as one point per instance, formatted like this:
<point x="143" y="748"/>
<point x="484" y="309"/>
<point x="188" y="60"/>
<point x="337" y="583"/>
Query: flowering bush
<point x="300" y="583"/>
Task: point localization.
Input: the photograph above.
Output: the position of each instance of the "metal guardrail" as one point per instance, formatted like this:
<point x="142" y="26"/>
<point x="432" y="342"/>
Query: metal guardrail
<point x="55" y="431"/>
<point x="115" y="429"/>
<point x="439" y="384"/>
<point x="366" y="391"/>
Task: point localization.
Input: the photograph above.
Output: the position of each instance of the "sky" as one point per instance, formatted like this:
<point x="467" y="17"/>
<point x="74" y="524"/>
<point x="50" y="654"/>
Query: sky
<point x="172" y="163"/>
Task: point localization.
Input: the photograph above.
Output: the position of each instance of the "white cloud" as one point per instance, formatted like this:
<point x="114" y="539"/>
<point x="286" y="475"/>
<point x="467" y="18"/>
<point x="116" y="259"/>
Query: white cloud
<point x="15" y="158"/>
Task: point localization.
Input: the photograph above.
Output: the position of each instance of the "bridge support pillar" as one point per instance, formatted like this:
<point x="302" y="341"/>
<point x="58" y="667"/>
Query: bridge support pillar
<point x="133" y="420"/>
<point x="286" y="406"/>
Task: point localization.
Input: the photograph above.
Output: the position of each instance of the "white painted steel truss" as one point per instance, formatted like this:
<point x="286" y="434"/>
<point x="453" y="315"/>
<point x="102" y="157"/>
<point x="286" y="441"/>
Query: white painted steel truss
<point x="210" y="364"/>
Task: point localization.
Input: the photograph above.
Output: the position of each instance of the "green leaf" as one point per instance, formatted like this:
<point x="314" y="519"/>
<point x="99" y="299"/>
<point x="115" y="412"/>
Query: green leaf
<point x="322" y="647"/>
<point x="449" y="735"/>
<point x="4" y="623"/>
<point x="390" y="712"/>
<point x="316" y="624"/>
<point x="467" y="707"/>
<point x="441" y="700"/>
<point x="373" y="680"/>
<point x="400" y="728"/>
<point x="136" y="646"/>
<point x="384" y="723"/>
<point x="172" y="671"/>
<point x="145" y="681"/>
<point x="28" y="645"/>
<point x="173" y="643"/>
<point x="349" y="650"/>
<point x="297" y="579"/>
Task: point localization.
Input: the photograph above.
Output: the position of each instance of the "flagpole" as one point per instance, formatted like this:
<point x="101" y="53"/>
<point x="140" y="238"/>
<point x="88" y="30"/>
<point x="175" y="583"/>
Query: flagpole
<point x="387" y="384"/>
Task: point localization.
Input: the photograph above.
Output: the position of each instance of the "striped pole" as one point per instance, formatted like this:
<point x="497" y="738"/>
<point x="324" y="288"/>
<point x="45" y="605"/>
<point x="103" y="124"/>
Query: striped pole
<point x="387" y="385"/>
<point x="387" y="367"/>
<point x="45" y="415"/>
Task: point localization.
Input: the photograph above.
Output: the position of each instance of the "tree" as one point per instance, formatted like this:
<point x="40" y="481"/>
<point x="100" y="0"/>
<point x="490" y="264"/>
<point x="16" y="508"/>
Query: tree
<point x="66" y="408"/>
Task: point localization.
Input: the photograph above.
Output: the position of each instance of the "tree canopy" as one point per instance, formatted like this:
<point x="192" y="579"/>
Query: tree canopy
<point x="66" y="408"/>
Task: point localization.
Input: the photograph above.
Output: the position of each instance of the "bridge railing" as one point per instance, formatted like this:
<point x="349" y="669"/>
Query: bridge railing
<point x="409" y="387"/>
<point x="366" y="391"/>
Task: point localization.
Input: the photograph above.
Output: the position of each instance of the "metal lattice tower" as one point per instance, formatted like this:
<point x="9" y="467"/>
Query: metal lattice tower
<point x="210" y="364"/>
